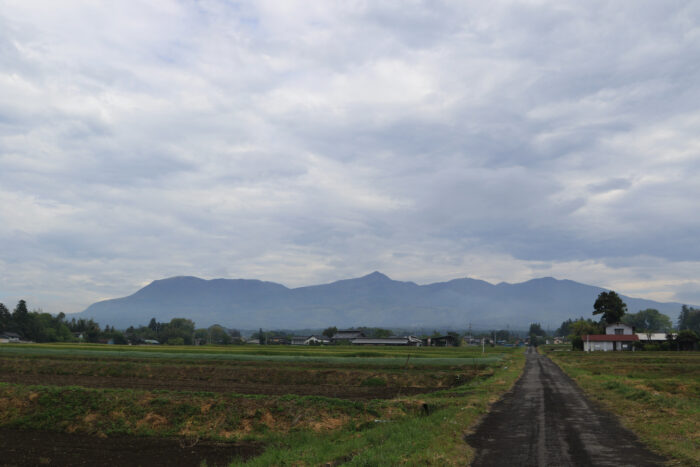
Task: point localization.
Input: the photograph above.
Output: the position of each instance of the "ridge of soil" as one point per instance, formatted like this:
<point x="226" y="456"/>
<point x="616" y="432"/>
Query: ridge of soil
<point x="327" y="390"/>
<point x="34" y="448"/>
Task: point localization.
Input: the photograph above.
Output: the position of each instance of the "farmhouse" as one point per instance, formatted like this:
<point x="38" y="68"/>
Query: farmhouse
<point x="7" y="337"/>
<point x="617" y="336"/>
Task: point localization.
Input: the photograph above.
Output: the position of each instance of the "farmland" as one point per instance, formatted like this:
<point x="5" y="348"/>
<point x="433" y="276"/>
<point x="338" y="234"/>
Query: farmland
<point x="655" y="394"/>
<point x="260" y="405"/>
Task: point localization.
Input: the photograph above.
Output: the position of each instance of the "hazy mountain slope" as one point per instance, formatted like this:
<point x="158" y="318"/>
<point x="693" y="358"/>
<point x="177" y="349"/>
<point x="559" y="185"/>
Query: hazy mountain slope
<point x="372" y="300"/>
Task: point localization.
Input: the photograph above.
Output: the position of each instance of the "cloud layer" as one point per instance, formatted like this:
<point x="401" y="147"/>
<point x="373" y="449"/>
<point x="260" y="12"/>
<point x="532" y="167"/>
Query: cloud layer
<point x="304" y="142"/>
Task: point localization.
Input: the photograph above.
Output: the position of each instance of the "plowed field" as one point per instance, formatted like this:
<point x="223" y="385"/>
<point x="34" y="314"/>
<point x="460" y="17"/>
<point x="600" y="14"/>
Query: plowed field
<point x="343" y="381"/>
<point x="92" y="405"/>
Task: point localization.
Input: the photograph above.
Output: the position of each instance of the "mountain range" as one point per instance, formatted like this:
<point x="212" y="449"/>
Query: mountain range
<point x="371" y="300"/>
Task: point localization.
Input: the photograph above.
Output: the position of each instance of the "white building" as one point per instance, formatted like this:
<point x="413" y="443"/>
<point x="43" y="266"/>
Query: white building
<point x="617" y="336"/>
<point x="310" y="340"/>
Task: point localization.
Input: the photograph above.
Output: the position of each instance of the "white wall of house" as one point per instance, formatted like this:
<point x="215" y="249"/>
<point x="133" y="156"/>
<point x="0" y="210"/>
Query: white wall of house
<point x="314" y="340"/>
<point x="592" y="346"/>
<point x="605" y="346"/>
<point x="618" y="328"/>
<point x="652" y="337"/>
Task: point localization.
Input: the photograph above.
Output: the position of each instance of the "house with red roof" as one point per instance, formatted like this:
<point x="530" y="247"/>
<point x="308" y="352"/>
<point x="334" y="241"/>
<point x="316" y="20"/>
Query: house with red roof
<point x="617" y="336"/>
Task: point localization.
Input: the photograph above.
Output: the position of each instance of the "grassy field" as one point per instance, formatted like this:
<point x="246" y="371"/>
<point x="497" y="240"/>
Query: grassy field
<point x="432" y="356"/>
<point x="655" y="394"/>
<point x="388" y="405"/>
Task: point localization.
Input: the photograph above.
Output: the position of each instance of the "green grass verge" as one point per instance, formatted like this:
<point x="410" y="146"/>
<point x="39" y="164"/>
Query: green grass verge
<point x="655" y="394"/>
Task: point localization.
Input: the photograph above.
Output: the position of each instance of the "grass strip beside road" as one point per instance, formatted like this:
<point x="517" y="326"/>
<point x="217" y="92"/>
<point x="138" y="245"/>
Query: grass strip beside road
<point x="655" y="394"/>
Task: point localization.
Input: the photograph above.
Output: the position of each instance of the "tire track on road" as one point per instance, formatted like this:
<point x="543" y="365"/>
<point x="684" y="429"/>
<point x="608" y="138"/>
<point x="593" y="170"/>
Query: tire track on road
<point x="546" y="420"/>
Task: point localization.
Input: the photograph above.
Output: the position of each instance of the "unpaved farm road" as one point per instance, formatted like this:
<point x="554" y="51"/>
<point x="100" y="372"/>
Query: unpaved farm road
<point x="546" y="420"/>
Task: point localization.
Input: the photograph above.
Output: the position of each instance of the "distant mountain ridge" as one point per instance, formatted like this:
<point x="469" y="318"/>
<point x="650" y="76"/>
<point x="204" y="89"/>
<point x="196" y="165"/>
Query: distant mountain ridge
<point x="371" y="300"/>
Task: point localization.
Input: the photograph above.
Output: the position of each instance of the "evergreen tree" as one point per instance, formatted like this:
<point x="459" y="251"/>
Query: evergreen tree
<point x="5" y="318"/>
<point x="689" y="319"/>
<point x="610" y="306"/>
<point x="21" y="318"/>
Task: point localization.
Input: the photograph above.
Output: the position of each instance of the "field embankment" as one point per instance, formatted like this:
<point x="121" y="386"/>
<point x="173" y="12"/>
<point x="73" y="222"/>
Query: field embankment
<point x="655" y="394"/>
<point x="281" y="404"/>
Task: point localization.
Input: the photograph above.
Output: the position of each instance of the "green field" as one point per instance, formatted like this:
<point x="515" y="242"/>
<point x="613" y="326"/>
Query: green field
<point x="655" y="394"/>
<point x="305" y="405"/>
<point x="431" y="356"/>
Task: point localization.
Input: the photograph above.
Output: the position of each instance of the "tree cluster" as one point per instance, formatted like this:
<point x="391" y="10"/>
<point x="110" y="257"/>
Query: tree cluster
<point x="689" y="319"/>
<point x="649" y="320"/>
<point x="34" y="325"/>
<point x="179" y="331"/>
<point x="536" y="334"/>
<point x="38" y="326"/>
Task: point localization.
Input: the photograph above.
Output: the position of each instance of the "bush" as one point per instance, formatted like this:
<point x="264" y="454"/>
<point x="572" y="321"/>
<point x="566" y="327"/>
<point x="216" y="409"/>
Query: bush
<point x="374" y="381"/>
<point x="577" y="343"/>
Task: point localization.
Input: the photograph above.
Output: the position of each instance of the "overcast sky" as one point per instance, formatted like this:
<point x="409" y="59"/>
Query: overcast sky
<point x="306" y="142"/>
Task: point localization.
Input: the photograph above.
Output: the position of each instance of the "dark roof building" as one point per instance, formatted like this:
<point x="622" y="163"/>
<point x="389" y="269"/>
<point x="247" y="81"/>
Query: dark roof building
<point x="442" y="341"/>
<point x="347" y="335"/>
<point x="278" y="340"/>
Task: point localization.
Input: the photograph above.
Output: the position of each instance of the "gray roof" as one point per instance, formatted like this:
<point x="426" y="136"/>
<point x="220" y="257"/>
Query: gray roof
<point x="10" y="335"/>
<point x="382" y="341"/>
<point x="348" y="334"/>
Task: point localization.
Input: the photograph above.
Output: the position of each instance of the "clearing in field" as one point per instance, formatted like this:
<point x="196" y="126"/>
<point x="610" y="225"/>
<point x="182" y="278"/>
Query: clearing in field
<point x="260" y="406"/>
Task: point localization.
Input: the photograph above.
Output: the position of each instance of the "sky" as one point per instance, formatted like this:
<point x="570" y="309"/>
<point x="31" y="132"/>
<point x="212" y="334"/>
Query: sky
<point x="304" y="142"/>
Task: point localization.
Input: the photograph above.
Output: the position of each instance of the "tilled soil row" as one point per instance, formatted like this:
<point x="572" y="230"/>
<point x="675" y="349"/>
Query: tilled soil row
<point x="343" y="392"/>
<point x="31" y="448"/>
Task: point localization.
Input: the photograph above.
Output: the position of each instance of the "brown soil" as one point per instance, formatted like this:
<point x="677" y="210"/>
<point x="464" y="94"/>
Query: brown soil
<point x="35" y="448"/>
<point x="342" y="392"/>
<point x="265" y="378"/>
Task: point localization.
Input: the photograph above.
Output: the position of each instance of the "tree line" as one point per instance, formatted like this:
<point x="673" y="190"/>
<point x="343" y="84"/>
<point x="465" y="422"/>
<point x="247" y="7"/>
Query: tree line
<point x="38" y="326"/>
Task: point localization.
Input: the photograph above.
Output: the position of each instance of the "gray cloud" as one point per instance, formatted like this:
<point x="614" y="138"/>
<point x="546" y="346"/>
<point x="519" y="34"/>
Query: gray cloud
<point x="306" y="142"/>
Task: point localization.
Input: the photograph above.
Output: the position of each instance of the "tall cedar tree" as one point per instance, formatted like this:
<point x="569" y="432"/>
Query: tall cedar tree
<point x="611" y="306"/>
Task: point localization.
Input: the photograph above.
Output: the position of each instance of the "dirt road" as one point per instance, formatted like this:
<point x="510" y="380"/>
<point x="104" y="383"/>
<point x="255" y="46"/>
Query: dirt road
<point x="546" y="420"/>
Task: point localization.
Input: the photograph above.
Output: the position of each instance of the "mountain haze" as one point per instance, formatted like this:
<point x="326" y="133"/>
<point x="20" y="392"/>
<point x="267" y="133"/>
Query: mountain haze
<point x="371" y="300"/>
